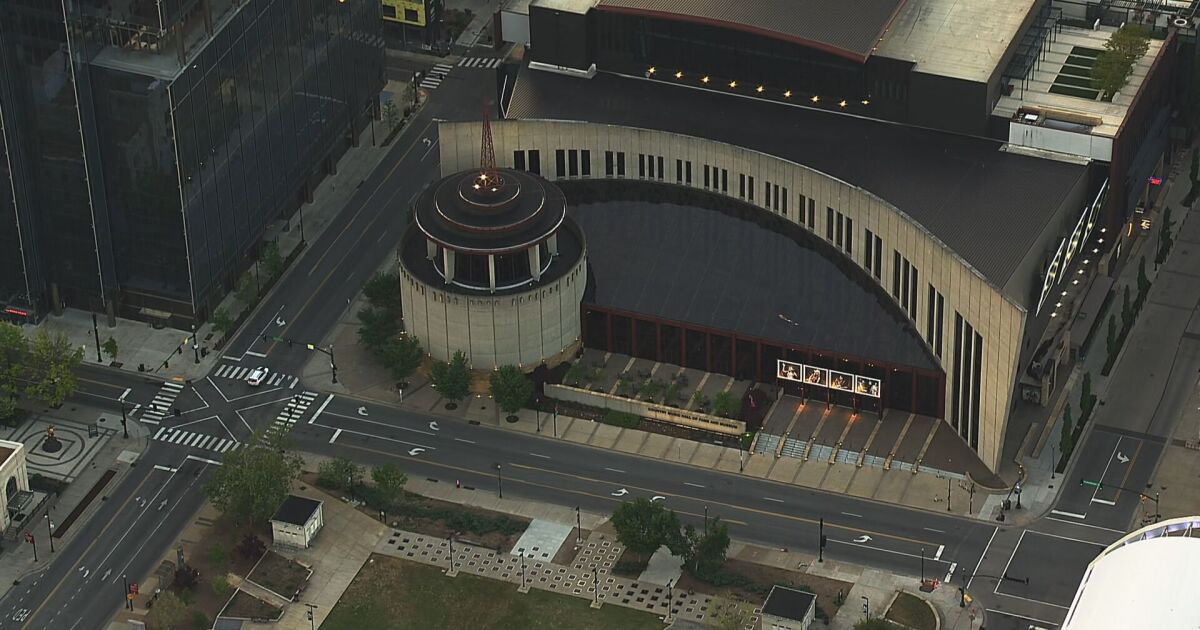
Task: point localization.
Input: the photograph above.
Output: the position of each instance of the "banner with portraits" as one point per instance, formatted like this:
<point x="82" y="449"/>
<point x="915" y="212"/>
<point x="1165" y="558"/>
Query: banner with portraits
<point x="823" y="377"/>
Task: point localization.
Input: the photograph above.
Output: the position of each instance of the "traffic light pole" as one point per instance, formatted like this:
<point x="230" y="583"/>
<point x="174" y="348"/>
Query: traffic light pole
<point x="1099" y="485"/>
<point x="311" y="346"/>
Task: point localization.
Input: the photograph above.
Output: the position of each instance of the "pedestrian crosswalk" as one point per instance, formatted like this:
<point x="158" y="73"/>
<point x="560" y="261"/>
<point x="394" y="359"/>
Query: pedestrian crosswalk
<point x="287" y="417"/>
<point x="480" y="62"/>
<point x="434" y="77"/>
<point x="196" y="440"/>
<point x="156" y="410"/>
<point x="238" y="373"/>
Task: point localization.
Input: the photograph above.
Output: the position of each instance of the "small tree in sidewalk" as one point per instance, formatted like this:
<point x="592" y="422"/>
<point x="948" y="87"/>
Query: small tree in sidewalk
<point x="511" y="388"/>
<point x="1111" y="340"/>
<point x="110" y="348"/>
<point x="401" y="355"/>
<point x="389" y="483"/>
<point x="1127" y="312"/>
<point x="452" y="379"/>
<point x="643" y="526"/>
<point x="339" y="474"/>
<point x="1066" y="440"/>
<point x="168" y="613"/>
<point x="222" y="322"/>
<point x="704" y="553"/>
<point x="1085" y="394"/>
<point x="247" y="289"/>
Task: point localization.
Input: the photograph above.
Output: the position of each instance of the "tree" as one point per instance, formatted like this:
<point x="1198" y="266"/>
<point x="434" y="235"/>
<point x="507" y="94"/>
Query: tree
<point x="389" y="483"/>
<point x="51" y="368"/>
<point x="247" y="289"/>
<point x="1114" y="65"/>
<point x="376" y="327"/>
<point x="339" y="474"/>
<point x="252" y="482"/>
<point x="168" y="613"/>
<point x="383" y="291"/>
<point x="401" y="355"/>
<point x="1112" y="338"/>
<point x="1143" y="283"/>
<point x="272" y="260"/>
<point x="1127" y="312"/>
<point x="704" y="553"/>
<point x="222" y="322"/>
<point x="1066" y="440"/>
<point x="110" y="348"/>
<point x="221" y="586"/>
<point x="643" y="526"/>
<point x="14" y="353"/>
<point x="1165" y="240"/>
<point x="511" y="388"/>
<point x="391" y="115"/>
<point x="453" y="379"/>
<point x="726" y="404"/>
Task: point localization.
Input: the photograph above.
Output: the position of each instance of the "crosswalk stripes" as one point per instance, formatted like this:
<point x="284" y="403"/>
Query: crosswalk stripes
<point x="480" y="62"/>
<point x="238" y="373"/>
<point x="157" y="409"/>
<point x="191" y="439"/>
<point x="434" y="77"/>
<point x="291" y="413"/>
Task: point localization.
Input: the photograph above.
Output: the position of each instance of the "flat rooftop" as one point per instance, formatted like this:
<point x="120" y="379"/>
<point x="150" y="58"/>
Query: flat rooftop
<point x="848" y="28"/>
<point x="988" y="205"/>
<point x="296" y="510"/>
<point x="788" y="603"/>
<point x="962" y="39"/>
<point x="1036" y="92"/>
<point x="566" y="6"/>
<point x="696" y="257"/>
<point x="5" y="453"/>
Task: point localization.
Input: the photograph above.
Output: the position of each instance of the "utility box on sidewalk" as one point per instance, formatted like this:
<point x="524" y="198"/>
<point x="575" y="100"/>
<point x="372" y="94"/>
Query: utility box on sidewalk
<point x="297" y="522"/>
<point x="788" y="609"/>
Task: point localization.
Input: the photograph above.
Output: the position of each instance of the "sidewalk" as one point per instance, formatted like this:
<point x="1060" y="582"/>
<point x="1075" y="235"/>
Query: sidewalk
<point x="601" y="550"/>
<point x="139" y="343"/>
<point x="111" y="451"/>
<point x="1040" y="486"/>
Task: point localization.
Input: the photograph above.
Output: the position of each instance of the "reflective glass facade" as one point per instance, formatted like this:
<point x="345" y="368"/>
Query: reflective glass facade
<point x="201" y="125"/>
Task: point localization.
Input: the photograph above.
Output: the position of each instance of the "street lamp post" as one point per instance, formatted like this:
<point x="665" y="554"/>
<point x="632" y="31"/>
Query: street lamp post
<point x="948" y="483"/>
<point x="522" y="552"/>
<point x="555" y="420"/>
<point x="499" y="482"/>
<point x="49" y="531"/>
<point x="124" y="420"/>
<point x="706" y="520"/>
<point x="670" y="599"/>
<point x="195" y="345"/>
<point x="128" y="601"/>
<point x="578" y="527"/>
<point x="595" y="587"/>
<point x="312" y="623"/>
<point x="922" y="565"/>
<point x="821" y="541"/>
<point x="96" y="333"/>
<point x="450" y="540"/>
<point x="302" y="241"/>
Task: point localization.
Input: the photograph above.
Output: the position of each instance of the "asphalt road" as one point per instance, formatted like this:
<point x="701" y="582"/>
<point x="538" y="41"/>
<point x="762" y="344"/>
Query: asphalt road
<point x="134" y="527"/>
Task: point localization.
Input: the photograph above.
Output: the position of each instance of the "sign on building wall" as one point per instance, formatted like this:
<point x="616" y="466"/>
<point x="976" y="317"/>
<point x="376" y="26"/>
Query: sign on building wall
<point x="833" y="379"/>
<point x="1071" y="245"/>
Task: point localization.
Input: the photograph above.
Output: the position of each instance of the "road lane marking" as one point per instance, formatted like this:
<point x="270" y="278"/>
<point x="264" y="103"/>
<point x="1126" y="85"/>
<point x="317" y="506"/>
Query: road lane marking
<point x="165" y="468"/>
<point x="883" y="549"/>
<point x="541" y="456"/>
<point x="256" y="354"/>
<point x="1028" y="599"/>
<point x="1006" y="613"/>
<point x="799" y="519"/>
<point x="1106" y="529"/>
<point x="1070" y="514"/>
<point x="1100" y="479"/>
<point x="1104" y="501"/>
<point x="938" y="555"/>
<point x="335" y="436"/>
<point x="694" y="485"/>
<point x="852" y="514"/>
<point x="930" y="529"/>
<point x="1078" y="540"/>
<point x="950" y="573"/>
<point x="775" y="500"/>
<point x="981" y="557"/>
<point x="464" y="440"/>
<point x="382" y="424"/>
<point x="320" y="409"/>
<point x="615" y="470"/>
<point x="1010" y="559"/>
<point x="378" y="437"/>
<point x="350" y="223"/>
<point x="532" y="483"/>
<point x="203" y="460"/>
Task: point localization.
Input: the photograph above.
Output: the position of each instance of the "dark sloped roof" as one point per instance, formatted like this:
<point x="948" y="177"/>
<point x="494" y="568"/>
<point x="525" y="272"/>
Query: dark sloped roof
<point x="849" y="28"/>
<point x="788" y="603"/>
<point x="987" y="205"/>
<point x="687" y="256"/>
<point x="296" y="510"/>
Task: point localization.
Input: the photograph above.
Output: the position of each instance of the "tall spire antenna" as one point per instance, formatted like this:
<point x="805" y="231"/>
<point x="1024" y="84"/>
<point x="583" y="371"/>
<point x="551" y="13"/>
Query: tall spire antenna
<point x="487" y="153"/>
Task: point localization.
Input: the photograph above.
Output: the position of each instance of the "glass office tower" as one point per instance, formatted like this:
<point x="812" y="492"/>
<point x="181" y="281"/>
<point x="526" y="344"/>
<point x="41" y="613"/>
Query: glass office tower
<point x="203" y="121"/>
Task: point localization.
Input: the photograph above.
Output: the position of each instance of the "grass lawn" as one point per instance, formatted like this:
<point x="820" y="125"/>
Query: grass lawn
<point x="390" y="593"/>
<point x="247" y="606"/>
<point x="912" y="612"/>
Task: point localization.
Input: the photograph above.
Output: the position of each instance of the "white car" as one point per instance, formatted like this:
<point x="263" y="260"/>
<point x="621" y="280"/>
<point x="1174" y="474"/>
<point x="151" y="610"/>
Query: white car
<point x="257" y="376"/>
